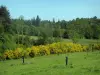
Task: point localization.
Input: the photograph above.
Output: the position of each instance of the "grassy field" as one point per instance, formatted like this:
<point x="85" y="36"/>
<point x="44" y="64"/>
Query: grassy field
<point x="83" y="41"/>
<point x="78" y="64"/>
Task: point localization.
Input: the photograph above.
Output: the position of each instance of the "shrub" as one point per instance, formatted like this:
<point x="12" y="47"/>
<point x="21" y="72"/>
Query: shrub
<point x="8" y="54"/>
<point x="17" y="53"/>
<point x="96" y="46"/>
<point x="44" y="50"/>
<point x="54" y="48"/>
<point x="31" y="54"/>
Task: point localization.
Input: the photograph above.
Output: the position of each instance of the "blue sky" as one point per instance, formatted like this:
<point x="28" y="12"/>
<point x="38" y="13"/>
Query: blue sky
<point x="48" y="9"/>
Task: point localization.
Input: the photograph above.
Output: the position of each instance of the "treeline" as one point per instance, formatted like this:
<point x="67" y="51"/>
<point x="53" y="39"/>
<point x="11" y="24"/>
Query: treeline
<point x="14" y="32"/>
<point x="88" y="28"/>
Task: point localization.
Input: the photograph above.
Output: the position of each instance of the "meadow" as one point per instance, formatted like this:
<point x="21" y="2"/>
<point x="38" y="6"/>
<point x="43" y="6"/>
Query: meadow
<point x="41" y="41"/>
<point x="83" y="41"/>
<point x="79" y="63"/>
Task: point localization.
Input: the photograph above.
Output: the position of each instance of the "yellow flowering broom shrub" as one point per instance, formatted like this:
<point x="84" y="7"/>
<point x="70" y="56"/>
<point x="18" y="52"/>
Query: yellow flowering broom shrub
<point x="27" y="52"/>
<point x="17" y="53"/>
<point x="66" y="47"/>
<point x="44" y="50"/>
<point x="54" y="48"/>
<point x="8" y="54"/>
<point x="34" y="51"/>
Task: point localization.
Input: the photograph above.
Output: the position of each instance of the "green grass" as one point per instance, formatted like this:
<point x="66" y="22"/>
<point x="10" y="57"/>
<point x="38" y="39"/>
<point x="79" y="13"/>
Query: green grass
<point x="79" y="64"/>
<point x="31" y="37"/>
<point x="83" y="41"/>
<point x="34" y="37"/>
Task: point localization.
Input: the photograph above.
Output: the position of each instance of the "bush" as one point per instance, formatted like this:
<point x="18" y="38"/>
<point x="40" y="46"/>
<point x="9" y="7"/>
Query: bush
<point x="32" y="54"/>
<point x="54" y="48"/>
<point x="8" y="54"/>
<point x="8" y="42"/>
<point x="96" y="46"/>
<point x="17" y="53"/>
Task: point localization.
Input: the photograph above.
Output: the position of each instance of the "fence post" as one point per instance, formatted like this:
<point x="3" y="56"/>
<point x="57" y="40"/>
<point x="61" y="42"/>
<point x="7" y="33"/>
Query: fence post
<point x="66" y="60"/>
<point x="23" y="58"/>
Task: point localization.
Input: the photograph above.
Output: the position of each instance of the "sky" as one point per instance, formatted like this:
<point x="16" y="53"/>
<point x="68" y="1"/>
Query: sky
<point x="49" y="9"/>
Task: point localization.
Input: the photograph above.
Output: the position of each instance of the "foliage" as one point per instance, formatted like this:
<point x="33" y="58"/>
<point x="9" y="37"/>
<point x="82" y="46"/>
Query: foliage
<point x="96" y="46"/>
<point x="1" y="29"/>
<point x="5" y="18"/>
<point x="55" y="48"/>
<point x="7" y="41"/>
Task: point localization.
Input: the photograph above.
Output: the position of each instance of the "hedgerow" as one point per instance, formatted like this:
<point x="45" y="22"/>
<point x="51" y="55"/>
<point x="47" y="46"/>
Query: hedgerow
<point x="55" y="48"/>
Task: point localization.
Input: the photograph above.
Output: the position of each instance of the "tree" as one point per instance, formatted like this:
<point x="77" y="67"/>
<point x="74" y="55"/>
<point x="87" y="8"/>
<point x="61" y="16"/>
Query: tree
<point x="19" y="28"/>
<point x="38" y="20"/>
<point x="21" y="22"/>
<point x="65" y="34"/>
<point x="33" y="21"/>
<point x="5" y="18"/>
<point x="1" y="29"/>
<point x="63" y="24"/>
